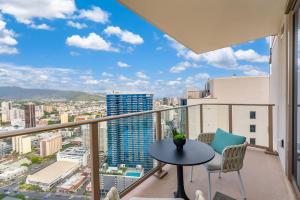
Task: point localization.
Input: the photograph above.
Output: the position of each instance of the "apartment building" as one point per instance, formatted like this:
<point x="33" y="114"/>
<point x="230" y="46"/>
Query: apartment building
<point x="64" y="118"/>
<point x="21" y="144"/>
<point x="129" y="138"/>
<point x="30" y="115"/>
<point x="50" y="145"/>
<point x="6" y="106"/>
<point x="250" y="121"/>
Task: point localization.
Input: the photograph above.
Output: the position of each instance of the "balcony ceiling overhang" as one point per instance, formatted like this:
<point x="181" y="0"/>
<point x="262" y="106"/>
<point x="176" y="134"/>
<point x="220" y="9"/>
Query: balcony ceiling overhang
<point x="206" y="25"/>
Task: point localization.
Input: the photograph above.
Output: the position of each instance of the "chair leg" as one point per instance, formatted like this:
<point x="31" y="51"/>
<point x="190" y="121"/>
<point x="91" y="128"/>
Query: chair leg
<point x="242" y="185"/>
<point x="191" y="174"/>
<point x="209" y="187"/>
<point x="220" y="174"/>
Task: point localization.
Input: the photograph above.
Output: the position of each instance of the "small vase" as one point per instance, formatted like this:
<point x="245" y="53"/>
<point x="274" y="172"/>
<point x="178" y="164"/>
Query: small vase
<point x="179" y="144"/>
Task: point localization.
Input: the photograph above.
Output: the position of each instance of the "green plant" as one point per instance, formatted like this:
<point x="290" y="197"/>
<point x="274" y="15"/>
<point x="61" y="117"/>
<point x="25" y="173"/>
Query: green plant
<point x="178" y="135"/>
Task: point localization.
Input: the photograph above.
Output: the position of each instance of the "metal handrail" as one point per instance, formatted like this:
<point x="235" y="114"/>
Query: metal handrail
<point x="26" y="131"/>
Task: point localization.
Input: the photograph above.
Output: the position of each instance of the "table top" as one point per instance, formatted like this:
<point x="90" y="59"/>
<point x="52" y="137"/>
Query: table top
<point x="193" y="153"/>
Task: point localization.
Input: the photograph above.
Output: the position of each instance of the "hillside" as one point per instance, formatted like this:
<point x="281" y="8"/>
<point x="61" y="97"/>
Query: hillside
<point x="17" y="93"/>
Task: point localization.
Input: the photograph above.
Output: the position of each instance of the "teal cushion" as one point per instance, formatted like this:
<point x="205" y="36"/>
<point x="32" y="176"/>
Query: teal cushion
<point x="224" y="139"/>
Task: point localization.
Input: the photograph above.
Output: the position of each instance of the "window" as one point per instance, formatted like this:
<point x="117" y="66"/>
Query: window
<point x="252" y="114"/>
<point x="252" y="128"/>
<point x="252" y="141"/>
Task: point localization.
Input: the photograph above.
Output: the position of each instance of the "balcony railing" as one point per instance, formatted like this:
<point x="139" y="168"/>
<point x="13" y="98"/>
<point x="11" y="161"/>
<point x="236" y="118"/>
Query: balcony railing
<point x="192" y="120"/>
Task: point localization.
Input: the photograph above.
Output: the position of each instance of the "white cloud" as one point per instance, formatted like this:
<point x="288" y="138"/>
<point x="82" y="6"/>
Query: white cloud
<point x="251" y="56"/>
<point x="92" y="41"/>
<point x="221" y="58"/>
<point x="182" y="66"/>
<point x="7" y="39"/>
<point x="254" y="72"/>
<point x="76" y="25"/>
<point x="141" y="75"/>
<point x="105" y="74"/>
<point x="73" y="53"/>
<point x="124" y="35"/>
<point x="84" y="80"/>
<point x="95" y="14"/>
<point x="122" y="64"/>
<point x="26" y="10"/>
<point x="42" y="26"/>
<point x="40" y="77"/>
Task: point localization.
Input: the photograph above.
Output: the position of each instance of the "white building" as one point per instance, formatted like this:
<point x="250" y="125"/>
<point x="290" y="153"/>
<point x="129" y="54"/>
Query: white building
<point x="250" y="121"/>
<point x="74" y="154"/>
<point x="21" y="144"/>
<point x="6" y="106"/>
<point x="39" y="111"/>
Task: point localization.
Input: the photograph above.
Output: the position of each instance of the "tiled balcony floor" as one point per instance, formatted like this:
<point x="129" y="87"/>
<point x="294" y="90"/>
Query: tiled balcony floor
<point x="262" y="174"/>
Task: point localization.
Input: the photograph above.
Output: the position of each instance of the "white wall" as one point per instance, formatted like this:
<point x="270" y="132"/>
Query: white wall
<point x="278" y="92"/>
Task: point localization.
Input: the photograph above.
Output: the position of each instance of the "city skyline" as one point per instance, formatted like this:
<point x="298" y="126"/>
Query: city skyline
<point x="91" y="46"/>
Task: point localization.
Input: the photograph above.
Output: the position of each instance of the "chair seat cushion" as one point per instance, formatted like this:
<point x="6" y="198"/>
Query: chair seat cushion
<point x="224" y="139"/>
<point x="214" y="164"/>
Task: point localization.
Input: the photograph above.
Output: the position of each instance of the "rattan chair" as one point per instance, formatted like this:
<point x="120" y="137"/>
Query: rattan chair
<point x="231" y="160"/>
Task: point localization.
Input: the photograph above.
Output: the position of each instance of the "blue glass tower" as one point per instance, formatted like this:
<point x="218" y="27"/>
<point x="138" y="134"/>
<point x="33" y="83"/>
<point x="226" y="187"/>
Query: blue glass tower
<point x="129" y="138"/>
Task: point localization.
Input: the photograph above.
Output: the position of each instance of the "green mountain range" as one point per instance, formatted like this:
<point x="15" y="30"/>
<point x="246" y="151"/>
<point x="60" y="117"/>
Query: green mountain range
<point x="18" y="93"/>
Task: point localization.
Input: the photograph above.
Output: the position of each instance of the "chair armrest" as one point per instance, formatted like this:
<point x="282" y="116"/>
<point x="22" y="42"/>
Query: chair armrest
<point x="233" y="157"/>
<point x="206" y="137"/>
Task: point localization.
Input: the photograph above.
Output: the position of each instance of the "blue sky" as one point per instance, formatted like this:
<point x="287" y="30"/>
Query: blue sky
<point x="99" y="45"/>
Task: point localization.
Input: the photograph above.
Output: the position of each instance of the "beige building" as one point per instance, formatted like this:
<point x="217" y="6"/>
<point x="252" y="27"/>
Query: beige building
<point x="21" y="144"/>
<point x="6" y="106"/>
<point x="50" y="145"/>
<point x="250" y="121"/>
<point x="64" y="118"/>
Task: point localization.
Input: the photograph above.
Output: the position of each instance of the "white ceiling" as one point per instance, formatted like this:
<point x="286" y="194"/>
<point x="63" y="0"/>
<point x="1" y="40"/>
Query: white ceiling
<point x="205" y="25"/>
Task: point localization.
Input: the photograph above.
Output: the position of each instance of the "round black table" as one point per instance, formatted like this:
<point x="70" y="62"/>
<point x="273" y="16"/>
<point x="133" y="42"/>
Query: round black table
<point x="193" y="153"/>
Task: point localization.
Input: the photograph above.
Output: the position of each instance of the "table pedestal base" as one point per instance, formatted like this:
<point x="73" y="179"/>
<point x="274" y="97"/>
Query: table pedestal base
<point x="180" y="185"/>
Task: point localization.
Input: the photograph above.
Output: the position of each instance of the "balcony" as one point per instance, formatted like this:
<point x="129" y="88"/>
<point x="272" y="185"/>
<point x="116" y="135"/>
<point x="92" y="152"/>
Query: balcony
<point x="261" y="166"/>
<point x="262" y="175"/>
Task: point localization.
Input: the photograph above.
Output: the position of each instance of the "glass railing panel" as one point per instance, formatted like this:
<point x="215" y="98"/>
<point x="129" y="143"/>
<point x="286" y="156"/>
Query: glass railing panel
<point x="252" y="122"/>
<point x="126" y="157"/>
<point x="215" y="116"/>
<point x="46" y="165"/>
<point x="175" y="118"/>
<point x="194" y="121"/>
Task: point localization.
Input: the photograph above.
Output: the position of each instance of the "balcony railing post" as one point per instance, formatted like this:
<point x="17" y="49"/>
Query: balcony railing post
<point x="201" y="118"/>
<point x="270" y="130"/>
<point x="230" y="117"/>
<point x="94" y="149"/>
<point x="160" y="173"/>
<point x="187" y="122"/>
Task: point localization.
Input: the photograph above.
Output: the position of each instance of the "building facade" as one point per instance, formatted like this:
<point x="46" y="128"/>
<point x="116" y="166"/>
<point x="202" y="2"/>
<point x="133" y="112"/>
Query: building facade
<point x="50" y="145"/>
<point x="250" y="121"/>
<point x="30" y="115"/>
<point x="129" y="138"/>
<point x="6" y="106"/>
<point x="21" y="144"/>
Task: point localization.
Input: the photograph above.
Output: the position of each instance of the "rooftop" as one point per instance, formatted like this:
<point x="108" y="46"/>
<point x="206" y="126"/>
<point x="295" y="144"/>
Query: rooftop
<point x="53" y="172"/>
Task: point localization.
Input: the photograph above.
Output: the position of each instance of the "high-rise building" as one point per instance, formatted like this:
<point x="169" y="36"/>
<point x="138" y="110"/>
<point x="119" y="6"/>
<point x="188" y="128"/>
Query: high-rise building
<point x="29" y="115"/>
<point x="21" y="144"/>
<point x="64" y="118"/>
<point x="6" y="106"/>
<point x="39" y="111"/>
<point x="129" y="138"/>
<point x="50" y="145"/>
